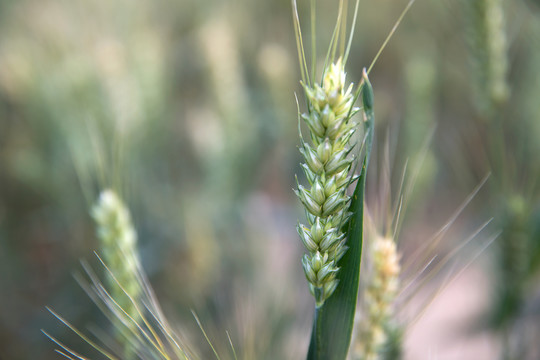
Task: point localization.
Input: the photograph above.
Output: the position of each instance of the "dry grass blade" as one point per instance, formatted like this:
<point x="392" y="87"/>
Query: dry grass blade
<point x="80" y="334"/>
<point x="204" y="333"/>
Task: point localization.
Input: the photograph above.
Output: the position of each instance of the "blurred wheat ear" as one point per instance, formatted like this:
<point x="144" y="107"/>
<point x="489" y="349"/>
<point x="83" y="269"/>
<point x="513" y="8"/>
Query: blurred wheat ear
<point x="118" y="243"/>
<point x="377" y="330"/>
<point x="487" y="40"/>
<point x="140" y="330"/>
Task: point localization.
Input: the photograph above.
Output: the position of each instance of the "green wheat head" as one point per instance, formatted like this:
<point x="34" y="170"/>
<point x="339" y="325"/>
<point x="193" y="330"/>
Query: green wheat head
<point x="327" y="166"/>
<point x="118" y="244"/>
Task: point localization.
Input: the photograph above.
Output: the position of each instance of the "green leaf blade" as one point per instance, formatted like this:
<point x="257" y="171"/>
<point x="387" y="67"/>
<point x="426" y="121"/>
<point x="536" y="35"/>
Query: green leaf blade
<point x="333" y="321"/>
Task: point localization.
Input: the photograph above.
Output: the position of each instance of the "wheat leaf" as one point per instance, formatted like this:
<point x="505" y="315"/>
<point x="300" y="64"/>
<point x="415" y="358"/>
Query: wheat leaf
<point x="333" y="322"/>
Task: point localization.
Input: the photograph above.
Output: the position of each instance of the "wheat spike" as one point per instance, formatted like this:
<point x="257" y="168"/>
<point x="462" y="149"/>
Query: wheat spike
<point x="328" y="169"/>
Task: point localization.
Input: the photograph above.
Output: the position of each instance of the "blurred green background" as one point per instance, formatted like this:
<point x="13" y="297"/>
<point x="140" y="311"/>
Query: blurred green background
<point x="188" y="108"/>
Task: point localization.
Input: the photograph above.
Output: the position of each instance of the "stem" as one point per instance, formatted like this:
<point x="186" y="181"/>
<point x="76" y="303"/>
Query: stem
<point x="315" y="346"/>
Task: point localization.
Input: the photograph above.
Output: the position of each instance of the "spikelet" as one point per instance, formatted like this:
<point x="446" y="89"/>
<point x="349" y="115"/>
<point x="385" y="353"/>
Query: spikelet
<point x="379" y="298"/>
<point x="119" y="250"/>
<point x="327" y="167"/>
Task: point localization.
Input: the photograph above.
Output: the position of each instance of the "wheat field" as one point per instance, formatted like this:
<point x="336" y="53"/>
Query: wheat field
<point x="178" y="179"/>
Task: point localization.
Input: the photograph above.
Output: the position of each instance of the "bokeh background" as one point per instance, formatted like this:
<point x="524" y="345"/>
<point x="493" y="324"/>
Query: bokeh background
<point x="188" y="109"/>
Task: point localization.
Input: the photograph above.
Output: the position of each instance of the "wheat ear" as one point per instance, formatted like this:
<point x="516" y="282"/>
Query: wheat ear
<point x="379" y="298"/>
<point x="119" y="250"/>
<point x="327" y="167"/>
<point x="488" y="43"/>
